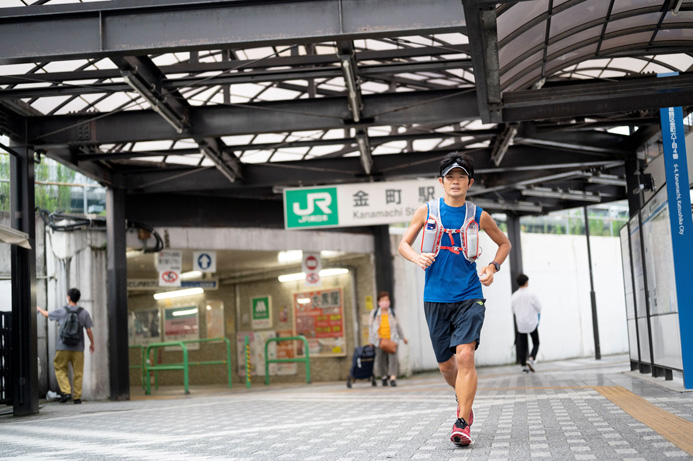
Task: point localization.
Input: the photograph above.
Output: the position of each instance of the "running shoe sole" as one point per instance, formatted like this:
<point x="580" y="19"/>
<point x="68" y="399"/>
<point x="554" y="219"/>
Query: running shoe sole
<point x="461" y="439"/>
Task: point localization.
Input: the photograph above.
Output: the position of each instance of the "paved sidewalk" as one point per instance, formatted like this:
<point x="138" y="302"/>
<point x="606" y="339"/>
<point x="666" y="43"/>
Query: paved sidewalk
<point x="569" y="410"/>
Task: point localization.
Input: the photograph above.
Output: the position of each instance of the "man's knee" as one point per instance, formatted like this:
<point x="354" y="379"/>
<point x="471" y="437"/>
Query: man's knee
<point x="465" y="355"/>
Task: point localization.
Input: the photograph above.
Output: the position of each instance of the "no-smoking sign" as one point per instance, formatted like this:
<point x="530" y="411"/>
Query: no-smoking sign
<point x="169" y="276"/>
<point x="311" y="267"/>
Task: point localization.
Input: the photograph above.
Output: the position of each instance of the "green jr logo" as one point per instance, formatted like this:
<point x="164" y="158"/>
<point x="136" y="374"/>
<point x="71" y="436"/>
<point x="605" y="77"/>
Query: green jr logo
<point x="311" y="207"/>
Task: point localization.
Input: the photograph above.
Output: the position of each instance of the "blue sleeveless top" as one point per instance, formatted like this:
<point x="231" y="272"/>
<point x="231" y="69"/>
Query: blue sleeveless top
<point x="451" y="278"/>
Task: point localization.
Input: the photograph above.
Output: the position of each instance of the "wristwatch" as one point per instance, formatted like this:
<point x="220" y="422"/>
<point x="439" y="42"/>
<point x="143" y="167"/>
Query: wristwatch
<point x="495" y="264"/>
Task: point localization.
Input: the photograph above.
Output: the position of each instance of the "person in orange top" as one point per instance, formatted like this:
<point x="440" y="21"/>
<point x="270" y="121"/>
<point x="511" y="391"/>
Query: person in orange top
<point x="384" y="325"/>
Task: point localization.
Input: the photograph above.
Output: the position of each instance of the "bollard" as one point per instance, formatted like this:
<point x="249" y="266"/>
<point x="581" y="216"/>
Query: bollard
<point x="247" y="362"/>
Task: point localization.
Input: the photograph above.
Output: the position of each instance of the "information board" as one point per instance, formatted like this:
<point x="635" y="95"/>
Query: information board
<point x="144" y="327"/>
<point x="319" y="316"/>
<point x="182" y="324"/>
<point x="659" y="256"/>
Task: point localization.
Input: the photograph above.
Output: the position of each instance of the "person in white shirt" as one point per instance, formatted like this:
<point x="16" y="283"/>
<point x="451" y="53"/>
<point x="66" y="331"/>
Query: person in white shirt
<point x="527" y="309"/>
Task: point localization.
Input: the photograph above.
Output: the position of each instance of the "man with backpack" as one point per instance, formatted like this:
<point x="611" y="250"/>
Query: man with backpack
<point x="73" y="320"/>
<point x="454" y="303"/>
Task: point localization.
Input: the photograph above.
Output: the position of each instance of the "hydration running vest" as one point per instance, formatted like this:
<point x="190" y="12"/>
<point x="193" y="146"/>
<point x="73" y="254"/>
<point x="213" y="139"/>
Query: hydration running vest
<point x="434" y="230"/>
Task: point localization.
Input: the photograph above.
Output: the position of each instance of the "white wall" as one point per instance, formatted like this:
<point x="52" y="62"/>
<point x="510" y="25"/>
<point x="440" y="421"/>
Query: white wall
<point x="558" y="271"/>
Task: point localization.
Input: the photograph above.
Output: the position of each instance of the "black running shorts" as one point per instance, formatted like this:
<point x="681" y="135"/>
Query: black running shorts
<point x="452" y="324"/>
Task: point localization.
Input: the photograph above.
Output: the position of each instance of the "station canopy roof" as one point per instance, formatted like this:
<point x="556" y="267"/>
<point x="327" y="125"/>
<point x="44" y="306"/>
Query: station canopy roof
<point x="241" y="99"/>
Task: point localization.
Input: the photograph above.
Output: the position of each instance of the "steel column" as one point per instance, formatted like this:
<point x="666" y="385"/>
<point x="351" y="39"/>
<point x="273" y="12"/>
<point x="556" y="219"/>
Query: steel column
<point x="515" y="263"/>
<point x="593" y="296"/>
<point x="383" y="261"/>
<point x="118" y="362"/>
<point x="24" y="340"/>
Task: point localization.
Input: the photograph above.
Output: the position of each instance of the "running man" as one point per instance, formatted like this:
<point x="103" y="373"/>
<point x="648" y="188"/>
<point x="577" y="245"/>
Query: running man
<point x="453" y="299"/>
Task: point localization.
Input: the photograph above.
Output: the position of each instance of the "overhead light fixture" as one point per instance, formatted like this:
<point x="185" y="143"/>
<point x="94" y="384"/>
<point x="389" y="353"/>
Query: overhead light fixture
<point x="349" y="78"/>
<point x="608" y="179"/>
<point x="178" y="293"/>
<point x="564" y="195"/>
<point x="190" y="275"/>
<point x="302" y="275"/>
<point x="185" y="312"/>
<point x="365" y="150"/>
<point x="135" y="82"/>
<point x="290" y="256"/>
<point x="509" y="206"/>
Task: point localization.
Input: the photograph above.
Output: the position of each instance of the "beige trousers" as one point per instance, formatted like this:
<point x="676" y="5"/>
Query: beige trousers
<point x="60" y="362"/>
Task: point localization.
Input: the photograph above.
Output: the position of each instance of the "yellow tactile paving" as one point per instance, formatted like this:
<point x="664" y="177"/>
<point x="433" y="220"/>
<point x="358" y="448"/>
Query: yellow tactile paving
<point x="676" y="430"/>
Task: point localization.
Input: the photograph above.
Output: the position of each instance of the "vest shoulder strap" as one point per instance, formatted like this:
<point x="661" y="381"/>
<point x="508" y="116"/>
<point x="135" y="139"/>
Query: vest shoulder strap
<point x="470" y="211"/>
<point x="434" y="209"/>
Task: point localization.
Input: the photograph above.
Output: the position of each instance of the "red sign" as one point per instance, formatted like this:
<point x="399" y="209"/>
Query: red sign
<point x="312" y="263"/>
<point x="169" y="276"/>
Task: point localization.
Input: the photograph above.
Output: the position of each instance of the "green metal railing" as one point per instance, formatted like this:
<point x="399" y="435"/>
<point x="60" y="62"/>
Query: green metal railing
<point x="305" y="359"/>
<point x="142" y="360"/>
<point x="186" y="363"/>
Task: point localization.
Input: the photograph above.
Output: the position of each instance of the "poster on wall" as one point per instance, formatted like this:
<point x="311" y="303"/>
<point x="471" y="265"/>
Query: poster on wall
<point x="144" y="327"/>
<point x="261" y="312"/>
<point x="286" y="350"/>
<point x="257" y="352"/>
<point x="182" y="324"/>
<point x="319" y="316"/>
<point x="214" y="312"/>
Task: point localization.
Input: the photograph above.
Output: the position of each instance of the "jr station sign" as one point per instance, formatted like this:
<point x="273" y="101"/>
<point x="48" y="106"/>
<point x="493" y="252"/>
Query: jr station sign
<point x="362" y="204"/>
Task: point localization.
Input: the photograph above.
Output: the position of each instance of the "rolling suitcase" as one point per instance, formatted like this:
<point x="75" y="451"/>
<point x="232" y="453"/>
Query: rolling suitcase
<point x="362" y="365"/>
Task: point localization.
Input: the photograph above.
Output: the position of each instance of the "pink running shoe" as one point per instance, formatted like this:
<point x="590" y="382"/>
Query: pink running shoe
<point x="471" y="415"/>
<point x="461" y="433"/>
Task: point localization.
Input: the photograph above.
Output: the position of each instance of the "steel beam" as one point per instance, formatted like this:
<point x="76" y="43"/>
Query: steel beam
<point x="24" y="336"/>
<point x="371" y="71"/>
<point x="373" y="140"/>
<point x="117" y="297"/>
<point x="175" y="110"/>
<point x="11" y="124"/>
<point x="483" y="39"/>
<point x="598" y="98"/>
<point x="254" y="66"/>
<point x="502" y="142"/>
<point x="126" y="27"/>
<point x="434" y="107"/>
<point x="344" y="170"/>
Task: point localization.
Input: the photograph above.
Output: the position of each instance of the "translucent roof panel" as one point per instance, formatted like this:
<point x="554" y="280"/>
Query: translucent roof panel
<point x="520" y="17"/>
<point x="585" y="31"/>
<point x="575" y="18"/>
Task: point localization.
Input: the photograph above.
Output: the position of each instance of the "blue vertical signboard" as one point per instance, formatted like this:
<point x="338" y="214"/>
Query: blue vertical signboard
<point x="676" y="165"/>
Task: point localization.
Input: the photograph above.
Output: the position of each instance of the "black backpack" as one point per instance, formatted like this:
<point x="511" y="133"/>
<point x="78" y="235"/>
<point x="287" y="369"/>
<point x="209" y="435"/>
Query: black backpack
<point x="70" y="328"/>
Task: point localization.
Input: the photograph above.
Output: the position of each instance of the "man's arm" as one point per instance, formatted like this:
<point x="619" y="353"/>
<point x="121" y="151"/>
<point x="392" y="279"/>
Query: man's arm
<point x="491" y="228"/>
<point x="423" y="260"/>
<point x="537" y="303"/>
<point x="91" y="338"/>
<point x="42" y="311"/>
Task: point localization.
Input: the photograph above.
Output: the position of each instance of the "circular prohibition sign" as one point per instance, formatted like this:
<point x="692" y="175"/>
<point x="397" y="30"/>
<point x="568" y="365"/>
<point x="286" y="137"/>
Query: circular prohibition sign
<point x="169" y="276"/>
<point x="311" y="263"/>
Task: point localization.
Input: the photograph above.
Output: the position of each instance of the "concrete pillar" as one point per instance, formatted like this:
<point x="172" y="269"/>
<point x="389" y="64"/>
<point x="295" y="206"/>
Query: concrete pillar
<point x="78" y="259"/>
